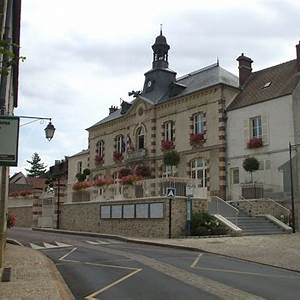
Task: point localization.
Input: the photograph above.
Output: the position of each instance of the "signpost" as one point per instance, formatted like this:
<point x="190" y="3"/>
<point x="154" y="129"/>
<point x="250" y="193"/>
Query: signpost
<point x="171" y="193"/>
<point x="9" y="137"/>
<point x="189" y="207"/>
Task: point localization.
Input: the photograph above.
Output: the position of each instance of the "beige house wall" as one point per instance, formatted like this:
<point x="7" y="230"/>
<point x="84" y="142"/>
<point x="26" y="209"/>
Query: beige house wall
<point x="211" y="102"/>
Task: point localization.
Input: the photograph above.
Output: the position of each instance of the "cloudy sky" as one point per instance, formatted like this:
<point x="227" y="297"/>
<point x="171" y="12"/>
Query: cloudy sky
<point x="83" y="56"/>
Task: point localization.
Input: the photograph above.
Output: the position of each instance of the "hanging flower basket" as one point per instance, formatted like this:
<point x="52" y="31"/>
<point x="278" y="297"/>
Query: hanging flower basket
<point x="125" y="172"/>
<point x="130" y="179"/>
<point x="143" y="171"/>
<point x="255" y="143"/>
<point x="171" y="158"/>
<point x="117" y="156"/>
<point x="99" y="159"/>
<point x="11" y="221"/>
<point x="167" y="145"/>
<point x="197" y="138"/>
<point x="81" y="185"/>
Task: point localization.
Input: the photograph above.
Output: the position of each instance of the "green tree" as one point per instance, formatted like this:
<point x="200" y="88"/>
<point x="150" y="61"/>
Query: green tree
<point x="251" y="165"/>
<point x="37" y="168"/>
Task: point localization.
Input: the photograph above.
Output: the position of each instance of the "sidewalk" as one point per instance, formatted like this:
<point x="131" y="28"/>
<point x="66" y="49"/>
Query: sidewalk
<point x="33" y="276"/>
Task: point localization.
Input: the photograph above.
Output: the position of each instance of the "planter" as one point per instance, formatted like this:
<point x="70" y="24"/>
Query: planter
<point x="255" y="143"/>
<point x="167" y="145"/>
<point x="196" y="139"/>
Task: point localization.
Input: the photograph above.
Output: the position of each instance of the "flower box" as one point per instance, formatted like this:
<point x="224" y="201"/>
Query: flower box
<point x="130" y="179"/>
<point x="197" y="138"/>
<point x="81" y="185"/>
<point x="99" y="159"/>
<point x="117" y="156"/>
<point x="102" y="181"/>
<point x="255" y="143"/>
<point x="167" y="145"/>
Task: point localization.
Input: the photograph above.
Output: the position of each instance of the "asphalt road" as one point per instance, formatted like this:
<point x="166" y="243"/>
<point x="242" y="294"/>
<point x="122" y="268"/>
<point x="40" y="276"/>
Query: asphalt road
<point x="100" y="268"/>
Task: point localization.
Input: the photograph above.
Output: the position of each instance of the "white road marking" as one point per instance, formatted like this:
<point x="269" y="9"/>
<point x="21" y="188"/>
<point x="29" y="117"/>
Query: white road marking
<point x="64" y="256"/>
<point x="92" y="296"/>
<point x="102" y="242"/>
<point x="59" y="244"/>
<point x="36" y="247"/>
<point x="92" y="242"/>
<point x="47" y="245"/>
<point x="193" y="265"/>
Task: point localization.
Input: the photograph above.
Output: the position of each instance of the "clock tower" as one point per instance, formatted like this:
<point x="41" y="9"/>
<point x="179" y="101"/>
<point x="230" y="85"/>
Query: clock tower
<point x="159" y="78"/>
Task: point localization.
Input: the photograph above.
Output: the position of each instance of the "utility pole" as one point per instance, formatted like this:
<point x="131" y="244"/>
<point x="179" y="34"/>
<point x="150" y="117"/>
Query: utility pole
<point x="3" y="111"/>
<point x="292" y="189"/>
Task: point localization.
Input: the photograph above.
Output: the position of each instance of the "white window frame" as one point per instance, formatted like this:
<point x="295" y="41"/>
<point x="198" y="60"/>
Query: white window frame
<point x="256" y="127"/>
<point x="169" y="171"/>
<point x="119" y="143"/>
<point x="199" y="170"/>
<point x="140" y="134"/>
<point x="198" y="123"/>
<point x="168" y="130"/>
<point x="100" y="148"/>
<point x="79" y="166"/>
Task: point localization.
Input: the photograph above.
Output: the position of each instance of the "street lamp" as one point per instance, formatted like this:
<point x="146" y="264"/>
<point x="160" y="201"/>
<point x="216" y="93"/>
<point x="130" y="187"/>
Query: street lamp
<point x="49" y="130"/>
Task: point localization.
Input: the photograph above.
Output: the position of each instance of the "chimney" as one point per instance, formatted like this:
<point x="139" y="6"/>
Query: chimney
<point x="298" y="56"/>
<point x="245" y="68"/>
<point x="112" y="109"/>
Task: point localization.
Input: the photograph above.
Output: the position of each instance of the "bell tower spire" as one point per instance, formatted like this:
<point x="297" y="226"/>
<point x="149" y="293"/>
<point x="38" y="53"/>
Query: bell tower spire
<point x="160" y="52"/>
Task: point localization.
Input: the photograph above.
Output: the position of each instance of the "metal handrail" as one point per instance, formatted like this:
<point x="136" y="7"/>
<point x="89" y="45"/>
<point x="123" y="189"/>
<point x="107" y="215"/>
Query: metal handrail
<point x="278" y="204"/>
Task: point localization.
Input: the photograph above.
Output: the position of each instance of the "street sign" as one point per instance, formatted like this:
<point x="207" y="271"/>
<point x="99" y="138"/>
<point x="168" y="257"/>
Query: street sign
<point x="171" y="192"/>
<point x="9" y="137"/>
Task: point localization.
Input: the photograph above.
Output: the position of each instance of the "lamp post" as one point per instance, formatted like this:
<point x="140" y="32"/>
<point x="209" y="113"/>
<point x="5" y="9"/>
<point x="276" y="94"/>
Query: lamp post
<point x="292" y="188"/>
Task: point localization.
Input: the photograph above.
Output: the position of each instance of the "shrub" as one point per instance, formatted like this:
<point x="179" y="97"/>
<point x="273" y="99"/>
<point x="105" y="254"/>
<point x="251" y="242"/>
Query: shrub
<point x="171" y="158"/>
<point x="86" y="172"/>
<point x="125" y="172"/>
<point x="11" y="221"/>
<point x="205" y="224"/>
<point x="251" y="164"/>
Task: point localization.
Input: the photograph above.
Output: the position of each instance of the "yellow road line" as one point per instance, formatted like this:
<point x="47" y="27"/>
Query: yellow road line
<point x="92" y="296"/>
<point x="246" y="273"/>
<point x="64" y="256"/>
<point x="193" y="265"/>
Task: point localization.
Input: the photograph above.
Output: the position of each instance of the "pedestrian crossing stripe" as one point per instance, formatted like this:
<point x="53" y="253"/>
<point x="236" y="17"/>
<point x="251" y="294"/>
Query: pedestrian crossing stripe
<point x="106" y="242"/>
<point x="49" y="246"/>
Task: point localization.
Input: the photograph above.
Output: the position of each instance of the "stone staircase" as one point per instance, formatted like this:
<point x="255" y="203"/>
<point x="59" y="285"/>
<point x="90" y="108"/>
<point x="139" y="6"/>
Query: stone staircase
<point x="258" y="225"/>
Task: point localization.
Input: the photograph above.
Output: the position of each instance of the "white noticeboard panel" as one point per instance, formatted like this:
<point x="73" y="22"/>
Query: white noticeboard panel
<point x="142" y="211"/>
<point x="156" y="210"/>
<point x="9" y="137"/>
<point x="105" y="212"/>
<point x="116" y="211"/>
<point x="128" y="211"/>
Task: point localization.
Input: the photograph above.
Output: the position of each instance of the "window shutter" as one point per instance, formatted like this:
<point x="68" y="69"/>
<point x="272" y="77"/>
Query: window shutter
<point x="246" y="132"/>
<point x="265" y="129"/>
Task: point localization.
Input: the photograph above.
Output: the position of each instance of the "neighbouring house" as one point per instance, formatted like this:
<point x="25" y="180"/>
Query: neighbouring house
<point x="76" y="164"/>
<point x="182" y="116"/>
<point x="261" y="122"/>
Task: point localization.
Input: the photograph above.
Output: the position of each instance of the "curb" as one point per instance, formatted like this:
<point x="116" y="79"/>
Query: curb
<point x="14" y="242"/>
<point x="144" y="242"/>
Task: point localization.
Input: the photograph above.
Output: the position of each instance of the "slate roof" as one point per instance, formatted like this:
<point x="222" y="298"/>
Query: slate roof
<point x="198" y="80"/>
<point x="85" y="151"/>
<point x="266" y="84"/>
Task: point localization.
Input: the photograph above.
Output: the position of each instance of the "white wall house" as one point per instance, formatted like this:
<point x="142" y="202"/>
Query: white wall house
<point x="261" y="122"/>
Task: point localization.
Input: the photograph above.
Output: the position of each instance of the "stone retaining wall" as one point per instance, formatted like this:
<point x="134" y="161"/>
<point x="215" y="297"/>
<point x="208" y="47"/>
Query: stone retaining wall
<point x="23" y="215"/>
<point x="85" y="216"/>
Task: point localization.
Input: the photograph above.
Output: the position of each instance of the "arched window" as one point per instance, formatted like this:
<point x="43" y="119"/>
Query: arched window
<point x="100" y="148"/>
<point x="140" y="137"/>
<point x="199" y="170"/>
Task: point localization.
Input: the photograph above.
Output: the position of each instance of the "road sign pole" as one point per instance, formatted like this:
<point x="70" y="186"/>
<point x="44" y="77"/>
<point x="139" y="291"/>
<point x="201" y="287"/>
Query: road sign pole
<point x="189" y="208"/>
<point x="170" y="218"/>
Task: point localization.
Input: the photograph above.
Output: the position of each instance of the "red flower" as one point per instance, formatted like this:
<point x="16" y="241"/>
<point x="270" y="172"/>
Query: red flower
<point x="117" y="156"/>
<point x="102" y="181"/>
<point x="81" y="185"/>
<point x="11" y="221"/>
<point x="255" y="143"/>
<point x="99" y="159"/>
<point x="167" y="145"/>
<point x="196" y="138"/>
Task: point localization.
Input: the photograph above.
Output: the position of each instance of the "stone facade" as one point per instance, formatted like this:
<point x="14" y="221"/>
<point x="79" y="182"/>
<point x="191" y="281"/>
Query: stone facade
<point x="23" y="215"/>
<point x="86" y="217"/>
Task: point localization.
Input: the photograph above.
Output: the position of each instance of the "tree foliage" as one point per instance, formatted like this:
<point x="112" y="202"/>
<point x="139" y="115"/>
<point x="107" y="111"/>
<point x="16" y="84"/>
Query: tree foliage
<point x="251" y="164"/>
<point x="37" y="168"/>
